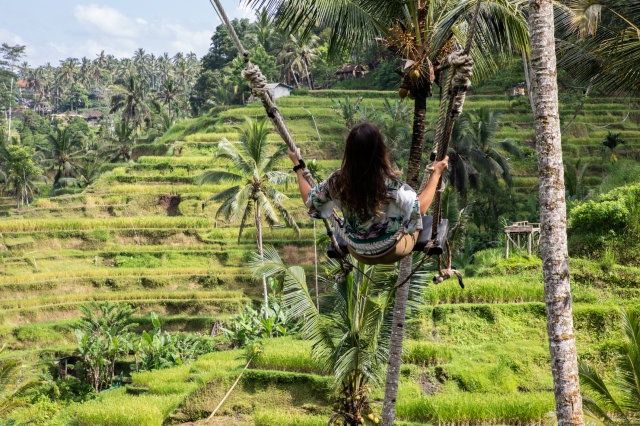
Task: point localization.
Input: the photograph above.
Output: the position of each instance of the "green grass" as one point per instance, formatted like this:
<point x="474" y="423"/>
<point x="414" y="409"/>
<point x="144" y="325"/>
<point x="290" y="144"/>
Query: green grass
<point x="465" y="408"/>
<point x="117" y="408"/>
<point x="499" y="289"/>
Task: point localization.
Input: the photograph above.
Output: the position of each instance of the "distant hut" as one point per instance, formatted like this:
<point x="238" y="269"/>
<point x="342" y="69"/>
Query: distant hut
<point x="92" y="117"/>
<point x="350" y="71"/>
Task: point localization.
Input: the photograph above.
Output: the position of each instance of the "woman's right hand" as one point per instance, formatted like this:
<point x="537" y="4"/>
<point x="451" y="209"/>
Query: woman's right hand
<point x="294" y="157"/>
<point x="441" y="166"/>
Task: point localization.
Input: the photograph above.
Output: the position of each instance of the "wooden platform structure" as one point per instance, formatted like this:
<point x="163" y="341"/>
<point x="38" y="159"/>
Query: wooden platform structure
<point x="529" y="231"/>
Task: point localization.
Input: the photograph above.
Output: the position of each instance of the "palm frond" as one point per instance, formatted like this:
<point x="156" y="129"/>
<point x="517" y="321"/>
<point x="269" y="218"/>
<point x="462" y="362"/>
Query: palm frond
<point x="591" y="380"/>
<point x="217" y="176"/>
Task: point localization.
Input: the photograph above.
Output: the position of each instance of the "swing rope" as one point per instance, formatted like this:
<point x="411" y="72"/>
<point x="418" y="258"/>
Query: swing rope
<point x="458" y="81"/>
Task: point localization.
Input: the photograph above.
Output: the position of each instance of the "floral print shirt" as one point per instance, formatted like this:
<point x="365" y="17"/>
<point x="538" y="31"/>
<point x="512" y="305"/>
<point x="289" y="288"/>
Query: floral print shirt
<point x="401" y="210"/>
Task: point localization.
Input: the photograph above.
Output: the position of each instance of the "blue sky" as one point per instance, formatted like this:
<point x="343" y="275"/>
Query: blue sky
<point x="56" y="30"/>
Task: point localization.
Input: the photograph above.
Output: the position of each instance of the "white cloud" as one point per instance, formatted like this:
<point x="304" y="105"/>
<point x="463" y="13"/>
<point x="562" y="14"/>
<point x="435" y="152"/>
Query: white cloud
<point x="112" y="31"/>
<point x="10" y="38"/>
<point x="106" y="20"/>
<point x="91" y="26"/>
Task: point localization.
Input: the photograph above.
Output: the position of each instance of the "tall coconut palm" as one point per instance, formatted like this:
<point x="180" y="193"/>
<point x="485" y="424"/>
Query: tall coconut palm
<point x="350" y="338"/>
<point x="131" y="98"/>
<point x="68" y="70"/>
<point x="553" y="214"/>
<point x="254" y="179"/>
<point x="63" y="146"/>
<point x="462" y="174"/>
<point x="264" y="30"/>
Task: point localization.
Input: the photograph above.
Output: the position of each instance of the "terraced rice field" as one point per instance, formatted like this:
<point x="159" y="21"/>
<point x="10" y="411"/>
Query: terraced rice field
<point x="140" y="235"/>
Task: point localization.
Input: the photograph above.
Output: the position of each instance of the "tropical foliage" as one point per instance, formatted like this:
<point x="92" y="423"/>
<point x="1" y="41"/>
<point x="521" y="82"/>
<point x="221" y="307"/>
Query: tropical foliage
<point x="620" y="405"/>
<point x="349" y="340"/>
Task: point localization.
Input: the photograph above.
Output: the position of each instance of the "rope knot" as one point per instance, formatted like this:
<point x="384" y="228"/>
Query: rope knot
<point x="462" y="67"/>
<point x="257" y="81"/>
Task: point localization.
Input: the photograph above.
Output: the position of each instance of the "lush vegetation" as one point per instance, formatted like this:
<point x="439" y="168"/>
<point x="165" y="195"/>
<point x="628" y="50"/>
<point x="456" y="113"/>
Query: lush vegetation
<point x="129" y="244"/>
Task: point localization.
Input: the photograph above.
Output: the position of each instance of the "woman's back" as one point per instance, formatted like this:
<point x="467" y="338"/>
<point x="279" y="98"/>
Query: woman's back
<point x="399" y="209"/>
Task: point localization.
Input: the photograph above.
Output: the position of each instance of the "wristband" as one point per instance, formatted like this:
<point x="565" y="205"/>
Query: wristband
<point x="300" y="166"/>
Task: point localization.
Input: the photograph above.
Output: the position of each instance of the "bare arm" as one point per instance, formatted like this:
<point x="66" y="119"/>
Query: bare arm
<point x="426" y="197"/>
<point x="303" y="185"/>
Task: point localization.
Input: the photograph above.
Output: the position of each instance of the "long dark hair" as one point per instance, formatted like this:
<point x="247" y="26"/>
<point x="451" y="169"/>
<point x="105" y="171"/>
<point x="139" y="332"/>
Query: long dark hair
<point x="360" y="184"/>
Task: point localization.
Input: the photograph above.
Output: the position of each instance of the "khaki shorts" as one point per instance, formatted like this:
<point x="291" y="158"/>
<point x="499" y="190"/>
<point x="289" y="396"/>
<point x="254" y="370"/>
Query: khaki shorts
<point x="402" y="248"/>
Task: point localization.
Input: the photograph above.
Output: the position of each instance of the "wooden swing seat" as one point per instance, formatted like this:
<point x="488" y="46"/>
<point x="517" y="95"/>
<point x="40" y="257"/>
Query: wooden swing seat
<point x="423" y="239"/>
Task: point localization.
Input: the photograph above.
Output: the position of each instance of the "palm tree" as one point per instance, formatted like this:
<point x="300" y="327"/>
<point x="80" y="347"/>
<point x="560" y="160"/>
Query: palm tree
<point x="255" y="178"/>
<point x="553" y="213"/>
<point x="12" y="386"/>
<point x="171" y="92"/>
<point x="68" y="70"/>
<point x="131" y="98"/>
<point x="264" y="30"/>
<point x="124" y="135"/>
<point x="350" y="339"/>
<point x="623" y="405"/>
<point x="62" y="147"/>
<point x="347" y="110"/>
<point x="574" y="174"/>
<point x="89" y="168"/>
<point x="483" y="149"/>
<point x="462" y="174"/>
<point x="600" y="45"/>
<point x="611" y="141"/>
<point x="298" y="54"/>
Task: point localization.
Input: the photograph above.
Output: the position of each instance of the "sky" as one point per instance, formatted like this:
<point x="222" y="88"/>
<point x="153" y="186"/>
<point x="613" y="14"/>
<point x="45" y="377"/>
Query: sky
<point x="56" y="30"/>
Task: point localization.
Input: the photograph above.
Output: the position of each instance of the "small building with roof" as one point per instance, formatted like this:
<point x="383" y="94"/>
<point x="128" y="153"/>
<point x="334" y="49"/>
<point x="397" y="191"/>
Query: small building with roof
<point x="350" y="71"/>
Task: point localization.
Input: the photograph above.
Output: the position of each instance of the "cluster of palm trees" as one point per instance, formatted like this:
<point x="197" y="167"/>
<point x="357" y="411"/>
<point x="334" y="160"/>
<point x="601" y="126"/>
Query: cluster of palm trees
<point x="67" y="157"/>
<point x="295" y="51"/>
<point x="69" y="85"/>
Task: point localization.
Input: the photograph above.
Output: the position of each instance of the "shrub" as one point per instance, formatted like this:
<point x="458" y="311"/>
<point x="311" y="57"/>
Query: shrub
<point x="601" y="216"/>
<point x="300" y="92"/>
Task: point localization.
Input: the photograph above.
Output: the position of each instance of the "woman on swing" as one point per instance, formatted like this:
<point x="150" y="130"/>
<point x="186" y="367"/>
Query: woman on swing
<point x="375" y="203"/>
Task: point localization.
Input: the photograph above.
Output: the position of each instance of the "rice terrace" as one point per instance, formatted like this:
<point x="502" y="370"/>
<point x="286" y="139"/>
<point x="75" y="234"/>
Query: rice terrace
<point x="166" y="257"/>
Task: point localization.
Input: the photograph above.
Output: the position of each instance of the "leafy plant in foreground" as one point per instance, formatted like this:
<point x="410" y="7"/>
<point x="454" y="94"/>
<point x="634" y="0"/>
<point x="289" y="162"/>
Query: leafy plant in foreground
<point x="13" y="386"/>
<point x="350" y="340"/>
<point x="623" y="405"/>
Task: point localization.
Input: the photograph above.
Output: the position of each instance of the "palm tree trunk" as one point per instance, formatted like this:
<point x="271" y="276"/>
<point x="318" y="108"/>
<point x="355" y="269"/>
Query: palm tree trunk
<point x="306" y="71"/>
<point x="417" y="139"/>
<point x="553" y="235"/>
<point x="295" y="78"/>
<point x="402" y="293"/>
<point x="259" y="238"/>
<point x="395" y="345"/>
